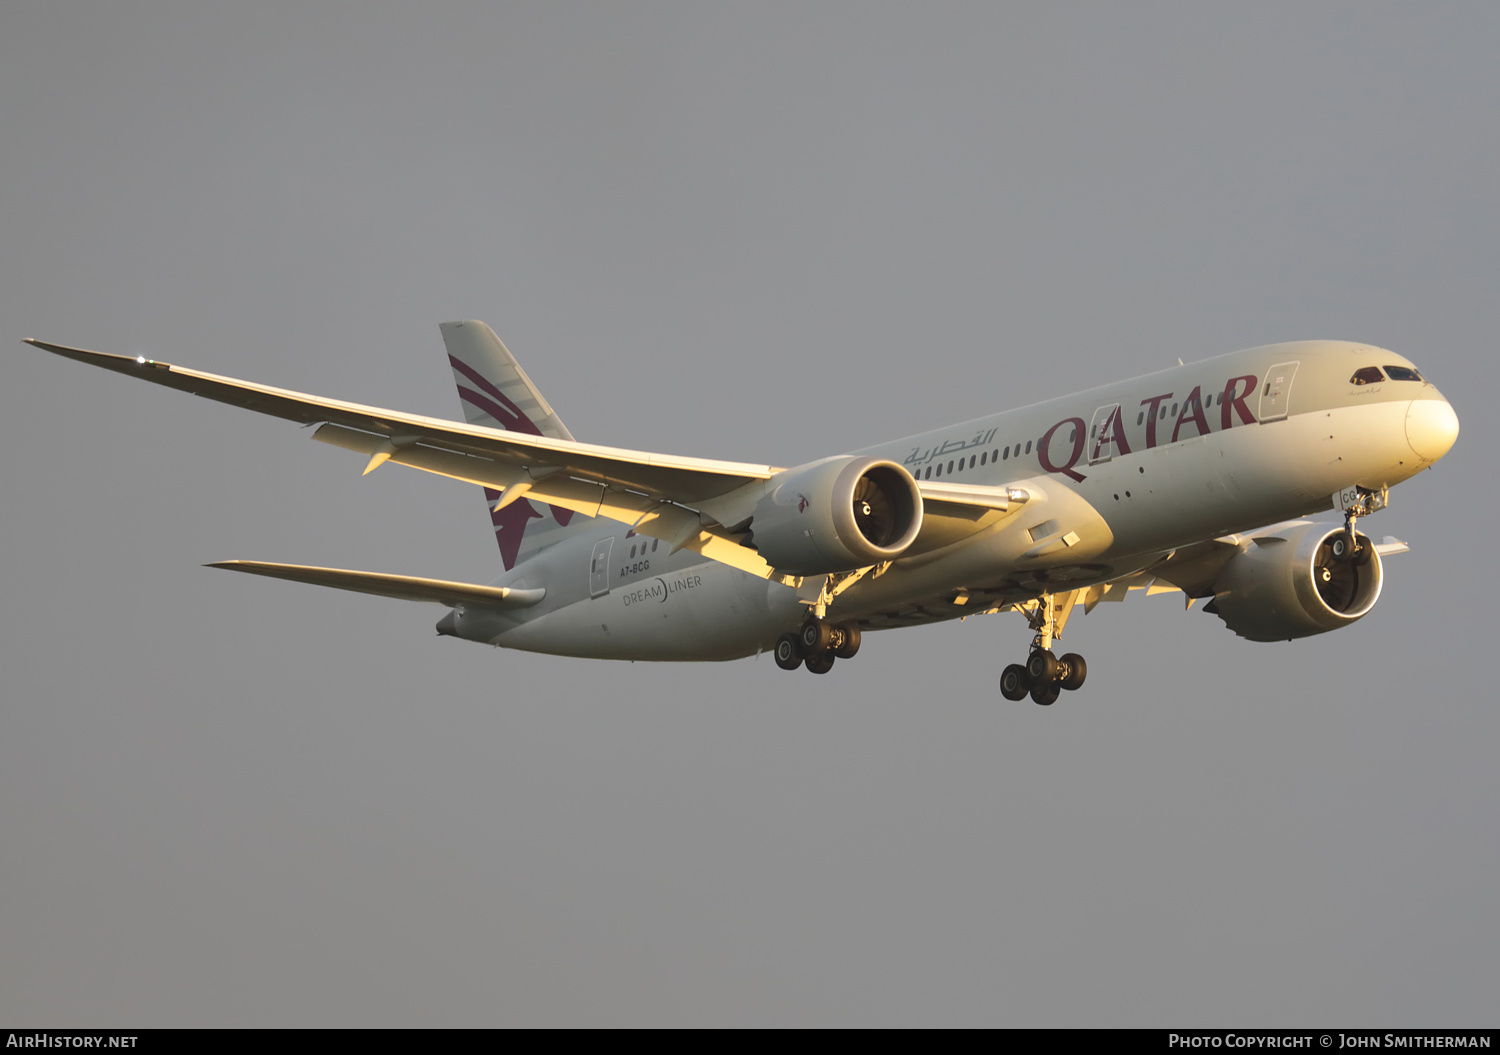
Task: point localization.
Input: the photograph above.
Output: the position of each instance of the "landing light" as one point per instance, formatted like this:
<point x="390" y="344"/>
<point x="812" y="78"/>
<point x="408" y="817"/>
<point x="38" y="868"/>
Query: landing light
<point x="140" y="358"/>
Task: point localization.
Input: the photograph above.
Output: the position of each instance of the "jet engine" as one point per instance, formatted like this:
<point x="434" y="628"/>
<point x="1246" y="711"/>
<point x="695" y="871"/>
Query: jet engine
<point x="837" y="514"/>
<point x="1299" y="582"/>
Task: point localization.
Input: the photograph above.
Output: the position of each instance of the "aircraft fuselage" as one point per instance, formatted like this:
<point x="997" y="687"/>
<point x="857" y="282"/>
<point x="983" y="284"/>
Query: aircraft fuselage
<point x="1117" y="477"/>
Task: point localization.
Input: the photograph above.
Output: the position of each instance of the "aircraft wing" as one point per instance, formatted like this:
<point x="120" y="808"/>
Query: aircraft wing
<point x="660" y="495"/>
<point x="664" y="476"/>
<point x="1192" y="570"/>
<point x="656" y="493"/>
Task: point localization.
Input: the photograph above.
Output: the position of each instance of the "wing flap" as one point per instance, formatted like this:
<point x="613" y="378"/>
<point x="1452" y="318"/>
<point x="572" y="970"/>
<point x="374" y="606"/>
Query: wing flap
<point x="402" y="587"/>
<point x="677" y="525"/>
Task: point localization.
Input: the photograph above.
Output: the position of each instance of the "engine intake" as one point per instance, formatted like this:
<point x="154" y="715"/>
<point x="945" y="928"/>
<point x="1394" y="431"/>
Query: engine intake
<point x="837" y="514"/>
<point x="1297" y="583"/>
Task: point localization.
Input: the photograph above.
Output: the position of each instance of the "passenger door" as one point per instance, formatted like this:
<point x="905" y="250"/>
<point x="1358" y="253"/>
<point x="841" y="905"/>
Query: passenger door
<point x="599" y="567"/>
<point x="1276" y="392"/>
<point x="1102" y="446"/>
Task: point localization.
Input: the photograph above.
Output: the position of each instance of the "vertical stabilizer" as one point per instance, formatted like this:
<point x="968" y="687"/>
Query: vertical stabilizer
<point x="496" y="393"/>
<point x="493" y="388"/>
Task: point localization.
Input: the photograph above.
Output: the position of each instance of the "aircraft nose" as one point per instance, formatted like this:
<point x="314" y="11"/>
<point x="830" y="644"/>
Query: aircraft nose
<point x="1431" y="428"/>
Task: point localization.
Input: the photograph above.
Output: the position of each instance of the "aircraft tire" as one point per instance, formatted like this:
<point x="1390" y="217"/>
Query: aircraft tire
<point x="850" y="645"/>
<point x="1042" y="667"/>
<point x="814" y="637"/>
<point x="1015" y="683"/>
<point x="1076" y="670"/>
<point x="1045" y="695"/>
<point x="822" y="663"/>
<point x="788" y="653"/>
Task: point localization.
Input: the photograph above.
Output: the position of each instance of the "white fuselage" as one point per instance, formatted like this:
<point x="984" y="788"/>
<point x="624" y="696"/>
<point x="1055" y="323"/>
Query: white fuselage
<point x="1118" y="477"/>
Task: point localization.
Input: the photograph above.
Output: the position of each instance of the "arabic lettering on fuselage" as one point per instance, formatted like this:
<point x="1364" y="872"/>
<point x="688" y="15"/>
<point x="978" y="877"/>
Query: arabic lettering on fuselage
<point x="921" y="457"/>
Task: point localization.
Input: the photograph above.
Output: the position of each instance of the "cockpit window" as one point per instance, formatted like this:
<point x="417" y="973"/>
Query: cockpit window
<point x="1402" y="373"/>
<point x="1367" y="375"/>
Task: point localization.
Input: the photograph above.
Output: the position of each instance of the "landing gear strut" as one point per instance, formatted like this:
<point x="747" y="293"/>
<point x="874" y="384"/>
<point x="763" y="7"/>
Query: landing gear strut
<point x="1044" y="676"/>
<point x="1356" y="502"/>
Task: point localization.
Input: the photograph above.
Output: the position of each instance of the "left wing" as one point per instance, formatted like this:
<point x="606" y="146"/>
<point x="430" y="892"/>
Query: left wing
<point x="656" y="493"/>
<point x="661" y="496"/>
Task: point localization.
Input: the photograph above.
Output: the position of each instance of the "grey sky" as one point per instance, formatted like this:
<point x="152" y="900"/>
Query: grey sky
<point x="757" y="232"/>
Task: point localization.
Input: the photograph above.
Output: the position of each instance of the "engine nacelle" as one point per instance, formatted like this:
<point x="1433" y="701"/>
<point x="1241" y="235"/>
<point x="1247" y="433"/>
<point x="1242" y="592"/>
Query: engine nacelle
<point x="1297" y="583"/>
<point x="837" y="514"/>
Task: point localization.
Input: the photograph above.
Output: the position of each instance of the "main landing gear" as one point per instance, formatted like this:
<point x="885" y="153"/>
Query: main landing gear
<point x="817" y="644"/>
<point x="1044" y="676"/>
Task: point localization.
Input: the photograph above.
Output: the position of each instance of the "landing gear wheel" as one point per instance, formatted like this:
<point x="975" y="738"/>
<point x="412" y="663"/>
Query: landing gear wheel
<point x="822" y="663"/>
<point x="1015" y="683"/>
<point x="788" y="653"/>
<point x="846" y="648"/>
<point x="1045" y="695"/>
<point x="814" y="637"/>
<point x="1074" y="671"/>
<point x="1042" y="667"/>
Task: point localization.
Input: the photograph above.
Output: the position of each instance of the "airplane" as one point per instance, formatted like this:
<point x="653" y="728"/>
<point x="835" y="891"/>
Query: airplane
<point x="1164" y="482"/>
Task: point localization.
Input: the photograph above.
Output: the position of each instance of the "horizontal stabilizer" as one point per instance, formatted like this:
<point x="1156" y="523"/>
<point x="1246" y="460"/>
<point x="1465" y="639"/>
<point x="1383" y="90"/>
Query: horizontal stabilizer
<point x="404" y="587"/>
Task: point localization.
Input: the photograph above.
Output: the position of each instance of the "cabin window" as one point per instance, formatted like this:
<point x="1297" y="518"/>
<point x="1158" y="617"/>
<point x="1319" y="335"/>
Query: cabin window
<point x="1028" y="446"/>
<point x="972" y="462"/>
<point x="654" y="543"/>
<point x="940" y="471"/>
<point x="1367" y="375"/>
<point x="1140" y="418"/>
<point x="950" y="468"/>
<point x="983" y="458"/>
<point x="994" y="456"/>
<point x="1163" y="415"/>
<point x="1174" y="410"/>
<point x="929" y="473"/>
<point x="1006" y="455"/>
<point x="1402" y="373"/>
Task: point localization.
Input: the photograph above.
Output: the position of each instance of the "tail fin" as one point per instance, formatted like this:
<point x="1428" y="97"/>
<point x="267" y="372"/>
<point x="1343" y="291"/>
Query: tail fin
<point x="495" y="392"/>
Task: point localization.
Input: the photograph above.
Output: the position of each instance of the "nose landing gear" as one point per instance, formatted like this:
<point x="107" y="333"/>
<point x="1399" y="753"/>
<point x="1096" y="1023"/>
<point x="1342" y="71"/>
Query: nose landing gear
<point x="1356" y="502"/>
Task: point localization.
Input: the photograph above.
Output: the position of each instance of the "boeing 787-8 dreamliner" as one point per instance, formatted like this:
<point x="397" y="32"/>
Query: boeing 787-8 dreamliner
<point x="1166" y="481"/>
